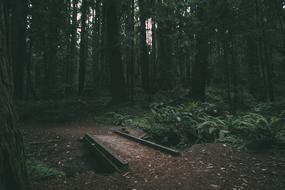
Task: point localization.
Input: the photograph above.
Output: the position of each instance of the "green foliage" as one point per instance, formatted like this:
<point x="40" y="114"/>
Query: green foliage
<point x="269" y="108"/>
<point x="38" y="171"/>
<point x="117" y="119"/>
<point x="254" y="131"/>
<point x="192" y="122"/>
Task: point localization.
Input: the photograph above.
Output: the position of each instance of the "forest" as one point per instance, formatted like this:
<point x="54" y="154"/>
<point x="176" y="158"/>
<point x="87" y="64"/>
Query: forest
<point x="142" y="94"/>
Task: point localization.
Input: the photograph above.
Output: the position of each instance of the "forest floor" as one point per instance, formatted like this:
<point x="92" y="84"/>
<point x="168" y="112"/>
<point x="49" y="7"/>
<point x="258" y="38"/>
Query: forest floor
<point x="202" y="166"/>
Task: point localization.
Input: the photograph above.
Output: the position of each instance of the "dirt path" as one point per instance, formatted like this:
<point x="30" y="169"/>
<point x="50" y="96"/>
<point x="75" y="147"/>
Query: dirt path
<point x="205" y="166"/>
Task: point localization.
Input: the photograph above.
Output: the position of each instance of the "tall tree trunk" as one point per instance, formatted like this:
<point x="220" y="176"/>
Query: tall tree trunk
<point x="130" y="49"/>
<point x="96" y="44"/>
<point x="105" y="66"/>
<point x="165" y="46"/>
<point x="234" y="76"/>
<point x="29" y="81"/>
<point x="262" y="68"/>
<point x="144" y="61"/>
<point x="71" y="22"/>
<point x="227" y="70"/>
<point x="113" y="52"/>
<point x="29" y="86"/>
<point x="253" y="67"/>
<point x="72" y="49"/>
<point x="51" y="46"/>
<point x="200" y="68"/>
<point x="18" y="44"/>
<point x="12" y="160"/>
<point x="83" y="49"/>
<point x="153" y="75"/>
<point x="269" y="70"/>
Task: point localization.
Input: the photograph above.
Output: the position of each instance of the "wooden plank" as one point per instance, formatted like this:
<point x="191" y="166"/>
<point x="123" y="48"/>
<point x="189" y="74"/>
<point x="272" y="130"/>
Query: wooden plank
<point x="149" y="143"/>
<point x="105" y="154"/>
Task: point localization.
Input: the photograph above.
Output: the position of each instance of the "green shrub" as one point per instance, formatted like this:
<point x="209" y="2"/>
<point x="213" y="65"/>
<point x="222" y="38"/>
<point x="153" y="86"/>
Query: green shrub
<point x="253" y="131"/>
<point x="191" y="122"/>
<point x="198" y="123"/>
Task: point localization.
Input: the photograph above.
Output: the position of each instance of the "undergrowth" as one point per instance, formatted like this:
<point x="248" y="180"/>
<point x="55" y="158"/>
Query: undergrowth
<point x="180" y="124"/>
<point x="175" y="121"/>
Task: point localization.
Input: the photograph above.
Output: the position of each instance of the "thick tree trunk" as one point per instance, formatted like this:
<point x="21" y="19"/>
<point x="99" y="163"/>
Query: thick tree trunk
<point x="51" y="47"/>
<point x="71" y="21"/>
<point x="13" y="173"/>
<point x="18" y="44"/>
<point x="113" y="52"/>
<point x="96" y="53"/>
<point x="50" y="64"/>
<point x="199" y="72"/>
<point x="144" y="61"/>
<point x="253" y="67"/>
<point x="200" y="68"/>
<point x="165" y="47"/>
<point x="83" y="49"/>
<point x="130" y="49"/>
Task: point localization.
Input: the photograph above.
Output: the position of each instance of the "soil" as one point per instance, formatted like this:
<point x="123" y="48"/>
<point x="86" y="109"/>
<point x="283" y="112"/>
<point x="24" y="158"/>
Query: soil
<point x="200" y="167"/>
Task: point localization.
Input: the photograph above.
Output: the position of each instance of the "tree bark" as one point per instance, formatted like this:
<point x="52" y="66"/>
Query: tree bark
<point x="12" y="160"/>
<point x="227" y="69"/>
<point x="165" y="46"/>
<point x="234" y="76"/>
<point x="199" y="72"/>
<point x="96" y="53"/>
<point x="130" y="50"/>
<point x="71" y="47"/>
<point x="18" y="44"/>
<point x="29" y="86"/>
<point x="144" y="61"/>
<point x="253" y="67"/>
<point x="83" y="49"/>
<point x="269" y="70"/>
<point x="113" y="51"/>
<point x="51" y="47"/>
<point x="153" y="75"/>
<point x="200" y="68"/>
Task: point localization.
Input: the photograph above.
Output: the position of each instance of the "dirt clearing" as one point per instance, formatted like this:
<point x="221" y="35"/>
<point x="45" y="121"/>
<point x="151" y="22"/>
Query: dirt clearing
<point x="203" y="166"/>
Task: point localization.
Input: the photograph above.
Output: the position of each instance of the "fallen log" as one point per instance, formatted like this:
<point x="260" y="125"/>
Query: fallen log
<point x="149" y="143"/>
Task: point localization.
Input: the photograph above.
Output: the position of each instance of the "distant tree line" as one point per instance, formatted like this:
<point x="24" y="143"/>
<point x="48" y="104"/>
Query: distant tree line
<point x="75" y="47"/>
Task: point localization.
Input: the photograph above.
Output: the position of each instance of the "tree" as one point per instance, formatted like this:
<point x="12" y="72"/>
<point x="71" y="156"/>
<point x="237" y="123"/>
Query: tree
<point x="83" y="48"/>
<point x="113" y="52"/>
<point x="165" y="53"/>
<point x="130" y="31"/>
<point x="237" y="45"/>
<point x="18" y="45"/>
<point x="12" y="160"/>
<point x="144" y="60"/>
<point x="51" y="43"/>
<point x="71" y="49"/>
<point x="96" y="52"/>
<point x="200" y="66"/>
